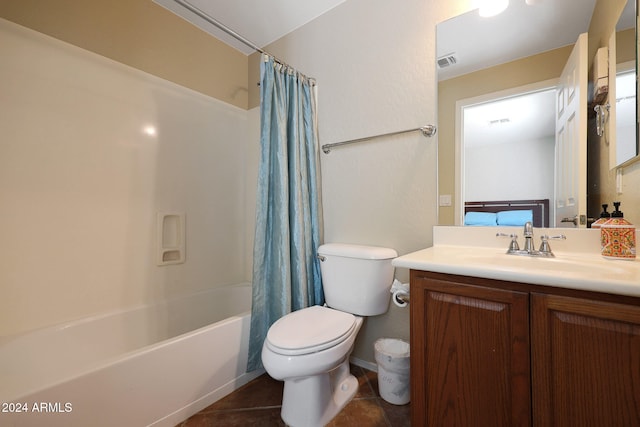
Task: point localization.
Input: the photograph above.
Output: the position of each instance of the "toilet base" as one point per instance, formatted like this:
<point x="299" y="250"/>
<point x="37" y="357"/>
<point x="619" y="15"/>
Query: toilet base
<point x="314" y="401"/>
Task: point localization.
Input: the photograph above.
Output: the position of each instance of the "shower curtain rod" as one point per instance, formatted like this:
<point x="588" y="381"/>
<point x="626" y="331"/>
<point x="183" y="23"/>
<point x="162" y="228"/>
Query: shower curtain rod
<point x="219" y="25"/>
<point x="427" y="131"/>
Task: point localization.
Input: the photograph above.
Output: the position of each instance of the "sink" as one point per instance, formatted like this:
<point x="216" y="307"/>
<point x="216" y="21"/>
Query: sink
<point x="562" y="263"/>
<point x="570" y="270"/>
<point x="475" y="252"/>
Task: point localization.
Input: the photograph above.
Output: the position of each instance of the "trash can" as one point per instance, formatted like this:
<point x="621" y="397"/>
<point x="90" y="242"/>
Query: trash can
<point x="392" y="357"/>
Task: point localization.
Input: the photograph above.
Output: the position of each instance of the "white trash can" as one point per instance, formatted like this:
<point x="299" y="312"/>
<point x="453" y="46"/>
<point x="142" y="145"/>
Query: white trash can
<point x="392" y="357"/>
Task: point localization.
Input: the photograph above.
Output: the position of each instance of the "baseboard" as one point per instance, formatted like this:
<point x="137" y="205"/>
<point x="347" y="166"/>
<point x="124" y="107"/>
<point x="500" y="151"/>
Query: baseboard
<point x="364" y="364"/>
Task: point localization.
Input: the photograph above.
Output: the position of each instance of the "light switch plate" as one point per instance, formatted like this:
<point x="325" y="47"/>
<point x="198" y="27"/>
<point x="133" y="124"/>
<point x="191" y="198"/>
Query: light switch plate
<point x="445" y="200"/>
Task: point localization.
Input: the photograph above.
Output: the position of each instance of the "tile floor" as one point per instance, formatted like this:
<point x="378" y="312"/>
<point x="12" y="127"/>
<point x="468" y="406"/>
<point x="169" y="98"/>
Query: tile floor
<point x="258" y="404"/>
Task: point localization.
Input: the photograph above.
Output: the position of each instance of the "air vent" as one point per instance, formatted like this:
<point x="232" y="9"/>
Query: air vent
<point x="447" y="60"/>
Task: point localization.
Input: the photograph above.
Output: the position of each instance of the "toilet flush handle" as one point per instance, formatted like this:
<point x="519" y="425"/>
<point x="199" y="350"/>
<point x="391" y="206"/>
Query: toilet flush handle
<point x="321" y="258"/>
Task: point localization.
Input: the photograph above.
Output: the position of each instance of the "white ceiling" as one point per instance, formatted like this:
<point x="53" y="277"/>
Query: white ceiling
<point x="259" y="21"/>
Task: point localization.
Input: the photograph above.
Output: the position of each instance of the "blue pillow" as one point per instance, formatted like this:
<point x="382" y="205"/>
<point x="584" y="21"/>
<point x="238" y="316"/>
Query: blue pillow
<point x="480" y="218"/>
<point x="519" y="217"/>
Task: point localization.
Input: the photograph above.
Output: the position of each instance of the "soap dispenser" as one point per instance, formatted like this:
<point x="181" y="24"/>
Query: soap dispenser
<point x="604" y="217"/>
<point x="618" y="236"/>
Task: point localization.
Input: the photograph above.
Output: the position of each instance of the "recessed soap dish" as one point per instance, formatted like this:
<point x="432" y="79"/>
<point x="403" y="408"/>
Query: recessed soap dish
<point x="170" y="231"/>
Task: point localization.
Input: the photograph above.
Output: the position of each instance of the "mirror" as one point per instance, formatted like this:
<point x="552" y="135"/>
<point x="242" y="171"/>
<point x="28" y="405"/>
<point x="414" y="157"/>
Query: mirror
<point x="622" y="91"/>
<point x="537" y="39"/>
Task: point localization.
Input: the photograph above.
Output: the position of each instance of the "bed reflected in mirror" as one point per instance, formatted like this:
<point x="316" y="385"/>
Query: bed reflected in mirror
<point x="507" y="213"/>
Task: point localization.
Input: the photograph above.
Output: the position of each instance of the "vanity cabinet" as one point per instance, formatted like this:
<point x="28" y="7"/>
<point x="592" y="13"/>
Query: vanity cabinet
<point x="493" y="353"/>
<point x="585" y="361"/>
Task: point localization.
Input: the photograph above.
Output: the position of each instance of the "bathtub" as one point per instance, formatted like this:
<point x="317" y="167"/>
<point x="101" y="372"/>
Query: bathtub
<point x="154" y="365"/>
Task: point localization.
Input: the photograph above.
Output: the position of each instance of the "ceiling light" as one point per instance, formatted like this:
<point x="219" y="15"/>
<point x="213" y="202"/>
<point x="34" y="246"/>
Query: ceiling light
<point x="490" y="8"/>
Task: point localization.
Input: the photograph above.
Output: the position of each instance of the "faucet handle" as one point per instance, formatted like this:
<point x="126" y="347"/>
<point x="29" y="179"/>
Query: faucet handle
<point x="513" y="246"/>
<point x="545" y="249"/>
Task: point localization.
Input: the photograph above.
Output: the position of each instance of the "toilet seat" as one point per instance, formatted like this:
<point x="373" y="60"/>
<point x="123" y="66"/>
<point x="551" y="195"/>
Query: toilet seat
<point x="309" y="330"/>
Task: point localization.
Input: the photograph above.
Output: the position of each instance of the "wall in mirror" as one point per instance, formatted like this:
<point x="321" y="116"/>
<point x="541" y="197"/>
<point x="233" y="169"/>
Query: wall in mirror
<point x="511" y="65"/>
<point x="616" y="116"/>
<point x="613" y="156"/>
<point x="623" y="118"/>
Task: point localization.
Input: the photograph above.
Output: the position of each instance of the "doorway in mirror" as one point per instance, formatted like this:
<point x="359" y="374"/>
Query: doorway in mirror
<point x="507" y="146"/>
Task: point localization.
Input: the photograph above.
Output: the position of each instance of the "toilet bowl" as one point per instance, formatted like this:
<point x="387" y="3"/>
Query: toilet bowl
<point x="309" y="341"/>
<point x="309" y="349"/>
<point x="317" y="380"/>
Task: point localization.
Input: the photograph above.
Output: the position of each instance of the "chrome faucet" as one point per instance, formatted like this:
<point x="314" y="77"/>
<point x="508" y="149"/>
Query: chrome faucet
<point x="528" y="238"/>
<point x="529" y="250"/>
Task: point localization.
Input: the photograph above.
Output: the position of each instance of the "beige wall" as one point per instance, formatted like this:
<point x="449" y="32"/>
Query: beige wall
<point x="536" y="68"/>
<point x="603" y="24"/>
<point x="626" y="46"/>
<point x="254" y="78"/>
<point x="143" y="35"/>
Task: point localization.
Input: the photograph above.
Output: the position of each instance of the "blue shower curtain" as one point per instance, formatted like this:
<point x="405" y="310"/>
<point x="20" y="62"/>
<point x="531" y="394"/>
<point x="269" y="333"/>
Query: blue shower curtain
<point x="286" y="273"/>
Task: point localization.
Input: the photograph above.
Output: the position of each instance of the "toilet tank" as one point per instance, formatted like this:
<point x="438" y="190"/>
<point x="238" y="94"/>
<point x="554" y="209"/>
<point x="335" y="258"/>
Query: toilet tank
<point x="356" y="279"/>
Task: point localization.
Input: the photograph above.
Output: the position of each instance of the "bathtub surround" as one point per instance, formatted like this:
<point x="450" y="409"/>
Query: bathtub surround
<point x="286" y="274"/>
<point x="91" y="151"/>
<point x="82" y="180"/>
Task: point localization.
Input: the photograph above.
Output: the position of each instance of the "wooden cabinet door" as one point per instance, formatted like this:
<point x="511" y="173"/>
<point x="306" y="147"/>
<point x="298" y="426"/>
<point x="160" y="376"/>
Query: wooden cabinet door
<point x="470" y="347"/>
<point x="586" y="362"/>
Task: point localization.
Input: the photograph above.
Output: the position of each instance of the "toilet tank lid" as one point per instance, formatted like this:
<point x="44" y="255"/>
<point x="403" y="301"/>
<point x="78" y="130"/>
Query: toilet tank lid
<point x="356" y="251"/>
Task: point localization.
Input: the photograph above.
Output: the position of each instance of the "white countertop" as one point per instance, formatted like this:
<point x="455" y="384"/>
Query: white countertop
<point x="475" y="251"/>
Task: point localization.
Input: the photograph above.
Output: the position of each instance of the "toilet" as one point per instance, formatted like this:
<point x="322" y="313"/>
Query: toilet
<point x="309" y="349"/>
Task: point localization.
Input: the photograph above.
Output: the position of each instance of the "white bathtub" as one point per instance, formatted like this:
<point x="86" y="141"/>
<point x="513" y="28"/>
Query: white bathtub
<point x="155" y="365"/>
